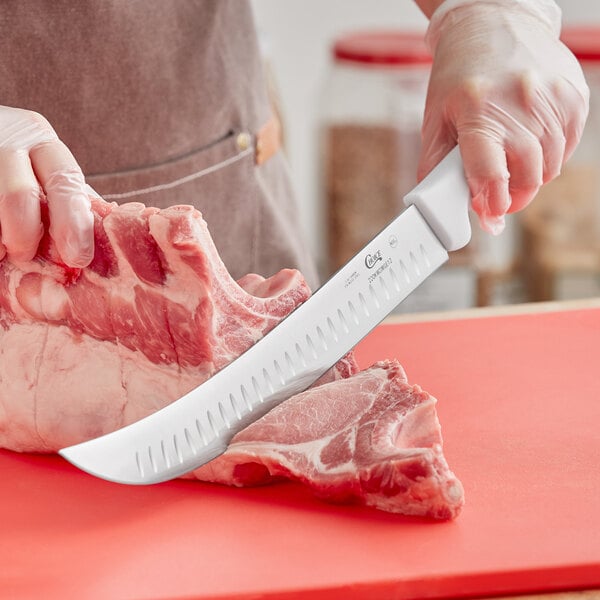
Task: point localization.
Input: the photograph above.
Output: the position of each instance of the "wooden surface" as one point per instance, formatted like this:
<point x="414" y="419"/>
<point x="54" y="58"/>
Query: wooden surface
<point x="529" y="308"/>
<point x="583" y="595"/>
<point x="518" y="403"/>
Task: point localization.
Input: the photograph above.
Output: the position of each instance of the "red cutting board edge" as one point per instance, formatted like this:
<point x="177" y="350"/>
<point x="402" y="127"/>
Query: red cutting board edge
<point x="519" y="403"/>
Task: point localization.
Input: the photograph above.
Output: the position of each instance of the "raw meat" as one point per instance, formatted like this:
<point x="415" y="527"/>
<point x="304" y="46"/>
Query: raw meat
<point x="372" y="439"/>
<point x="86" y="351"/>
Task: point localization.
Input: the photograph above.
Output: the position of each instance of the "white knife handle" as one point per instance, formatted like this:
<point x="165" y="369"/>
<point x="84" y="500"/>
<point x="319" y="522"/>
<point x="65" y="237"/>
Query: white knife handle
<point x="443" y="198"/>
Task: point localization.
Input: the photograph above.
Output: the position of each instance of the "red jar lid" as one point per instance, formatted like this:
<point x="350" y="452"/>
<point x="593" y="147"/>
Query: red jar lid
<point x="379" y="48"/>
<point x="583" y="41"/>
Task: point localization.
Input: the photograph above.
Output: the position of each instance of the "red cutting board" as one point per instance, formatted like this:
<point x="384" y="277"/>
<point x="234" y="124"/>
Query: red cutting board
<point x="519" y="403"/>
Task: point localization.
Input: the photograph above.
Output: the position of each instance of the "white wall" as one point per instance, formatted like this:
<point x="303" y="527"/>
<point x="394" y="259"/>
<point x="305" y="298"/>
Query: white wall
<point x="298" y="35"/>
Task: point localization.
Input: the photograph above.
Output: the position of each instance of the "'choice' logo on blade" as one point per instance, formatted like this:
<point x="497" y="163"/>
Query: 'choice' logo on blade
<point x="372" y="259"/>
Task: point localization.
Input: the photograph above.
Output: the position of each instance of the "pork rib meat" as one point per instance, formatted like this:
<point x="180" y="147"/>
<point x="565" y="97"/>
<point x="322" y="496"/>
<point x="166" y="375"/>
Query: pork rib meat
<point x="86" y="351"/>
<point x="371" y="439"/>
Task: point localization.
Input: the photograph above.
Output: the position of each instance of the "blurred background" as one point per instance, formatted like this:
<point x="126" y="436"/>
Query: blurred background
<point x="349" y="80"/>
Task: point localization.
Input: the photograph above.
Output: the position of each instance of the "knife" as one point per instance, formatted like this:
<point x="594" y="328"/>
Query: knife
<point x="303" y="346"/>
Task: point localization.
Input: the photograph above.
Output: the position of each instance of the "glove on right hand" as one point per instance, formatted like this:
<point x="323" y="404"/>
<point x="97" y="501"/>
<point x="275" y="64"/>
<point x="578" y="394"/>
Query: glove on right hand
<point x="509" y="92"/>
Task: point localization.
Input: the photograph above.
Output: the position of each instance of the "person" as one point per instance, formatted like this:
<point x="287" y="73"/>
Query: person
<point x="162" y="102"/>
<point x="166" y="102"/>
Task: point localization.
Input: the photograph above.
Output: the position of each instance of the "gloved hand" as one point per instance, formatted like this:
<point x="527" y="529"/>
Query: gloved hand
<point x="33" y="162"/>
<point x="509" y="92"/>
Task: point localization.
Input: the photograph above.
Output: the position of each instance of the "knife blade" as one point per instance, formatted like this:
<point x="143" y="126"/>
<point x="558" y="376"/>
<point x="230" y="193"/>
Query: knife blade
<point x="198" y="427"/>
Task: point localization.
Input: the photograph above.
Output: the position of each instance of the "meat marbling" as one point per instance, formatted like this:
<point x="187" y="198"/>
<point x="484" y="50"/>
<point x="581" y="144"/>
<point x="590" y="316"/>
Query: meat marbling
<point x="371" y="439"/>
<point x="86" y="351"/>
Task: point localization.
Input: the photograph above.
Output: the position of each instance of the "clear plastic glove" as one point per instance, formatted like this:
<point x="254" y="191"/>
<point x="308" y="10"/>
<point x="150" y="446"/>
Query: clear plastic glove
<point x="33" y="163"/>
<point x="509" y="92"/>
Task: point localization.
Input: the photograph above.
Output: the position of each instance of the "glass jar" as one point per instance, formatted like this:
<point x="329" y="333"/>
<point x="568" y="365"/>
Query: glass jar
<point x="370" y="135"/>
<point x="561" y="227"/>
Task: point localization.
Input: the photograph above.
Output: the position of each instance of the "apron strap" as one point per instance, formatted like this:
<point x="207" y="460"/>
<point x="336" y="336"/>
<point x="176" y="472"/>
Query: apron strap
<point x="268" y="140"/>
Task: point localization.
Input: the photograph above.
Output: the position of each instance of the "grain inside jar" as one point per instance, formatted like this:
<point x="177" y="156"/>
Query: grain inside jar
<point x="362" y="184"/>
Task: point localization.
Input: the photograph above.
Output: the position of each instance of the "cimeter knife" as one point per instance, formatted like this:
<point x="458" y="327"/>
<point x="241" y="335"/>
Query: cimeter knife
<point x="198" y="427"/>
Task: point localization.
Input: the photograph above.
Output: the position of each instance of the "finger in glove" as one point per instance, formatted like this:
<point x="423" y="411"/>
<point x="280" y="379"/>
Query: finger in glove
<point x="19" y="206"/>
<point x="71" y="219"/>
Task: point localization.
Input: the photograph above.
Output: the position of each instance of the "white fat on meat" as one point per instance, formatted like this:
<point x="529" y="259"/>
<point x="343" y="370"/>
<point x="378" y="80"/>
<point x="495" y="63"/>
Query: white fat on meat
<point x="371" y="439"/>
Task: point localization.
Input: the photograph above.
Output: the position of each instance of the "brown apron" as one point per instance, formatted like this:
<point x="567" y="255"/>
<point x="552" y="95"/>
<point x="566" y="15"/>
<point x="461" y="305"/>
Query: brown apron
<point x="161" y="102"/>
